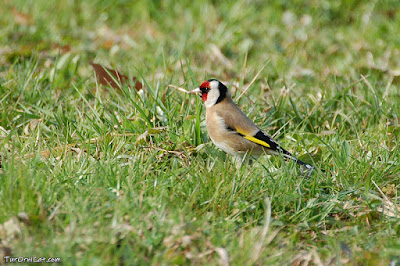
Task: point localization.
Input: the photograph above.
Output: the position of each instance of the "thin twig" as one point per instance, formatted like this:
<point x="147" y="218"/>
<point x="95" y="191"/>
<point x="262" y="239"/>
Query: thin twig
<point x="254" y="79"/>
<point x="54" y="212"/>
<point x="178" y="88"/>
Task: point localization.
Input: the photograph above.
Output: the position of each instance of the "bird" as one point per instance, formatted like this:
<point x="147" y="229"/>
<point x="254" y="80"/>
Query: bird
<point x="231" y="130"/>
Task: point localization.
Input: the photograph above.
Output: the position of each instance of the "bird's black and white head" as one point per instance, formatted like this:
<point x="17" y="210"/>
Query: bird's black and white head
<point x="212" y="92"/>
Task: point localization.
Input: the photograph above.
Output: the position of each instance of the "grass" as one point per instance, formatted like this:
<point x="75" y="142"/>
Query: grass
<point x="98" y="176"/>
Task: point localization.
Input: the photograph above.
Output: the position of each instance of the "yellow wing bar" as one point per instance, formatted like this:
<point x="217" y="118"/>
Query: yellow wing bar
<point x="258" y="141"/>
<point x="253" y="138"/>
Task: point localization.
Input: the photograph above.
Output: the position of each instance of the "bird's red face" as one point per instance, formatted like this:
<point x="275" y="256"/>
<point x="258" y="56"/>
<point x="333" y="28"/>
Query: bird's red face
<point x="212" y="92"/>
<point x="205" y="88"/>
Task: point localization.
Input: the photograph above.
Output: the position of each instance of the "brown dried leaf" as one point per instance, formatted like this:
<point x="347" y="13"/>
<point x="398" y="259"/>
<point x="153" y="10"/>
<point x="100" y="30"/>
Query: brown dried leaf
<point x="5" y="251"/>
<point x="21" y="18"/>
<point x="113" y="78"/>
<point x="62" y="48"/>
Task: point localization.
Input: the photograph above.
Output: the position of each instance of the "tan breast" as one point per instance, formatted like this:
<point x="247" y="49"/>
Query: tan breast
<point x="226" y="114"/>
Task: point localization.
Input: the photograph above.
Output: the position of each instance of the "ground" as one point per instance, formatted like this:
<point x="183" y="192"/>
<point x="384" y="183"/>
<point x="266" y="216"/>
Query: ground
<point x="92" y="174"/>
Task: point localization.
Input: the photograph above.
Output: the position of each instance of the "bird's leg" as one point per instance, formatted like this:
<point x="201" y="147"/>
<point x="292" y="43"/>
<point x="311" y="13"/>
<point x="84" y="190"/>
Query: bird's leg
<point x="238" y="161"/>
<point x="307" y="172"/>
<point x="247" y="158"/>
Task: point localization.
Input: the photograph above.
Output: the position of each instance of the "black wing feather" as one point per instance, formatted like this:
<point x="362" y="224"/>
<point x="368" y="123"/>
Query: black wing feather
<point x="275" y="147"/>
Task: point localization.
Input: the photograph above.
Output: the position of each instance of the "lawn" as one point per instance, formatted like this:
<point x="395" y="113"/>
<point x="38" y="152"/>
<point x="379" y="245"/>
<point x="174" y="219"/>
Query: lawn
<point x="96" y="175"/>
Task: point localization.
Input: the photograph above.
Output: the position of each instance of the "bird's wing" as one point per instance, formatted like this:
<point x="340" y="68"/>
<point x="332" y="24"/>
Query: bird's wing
<point x="237" y="122"/>
<point x="262" y="139"/>
<point x="240" y="124"/>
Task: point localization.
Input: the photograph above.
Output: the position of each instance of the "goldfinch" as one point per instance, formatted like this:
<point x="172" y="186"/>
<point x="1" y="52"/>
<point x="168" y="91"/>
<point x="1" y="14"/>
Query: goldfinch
<point x="231" y="130"/>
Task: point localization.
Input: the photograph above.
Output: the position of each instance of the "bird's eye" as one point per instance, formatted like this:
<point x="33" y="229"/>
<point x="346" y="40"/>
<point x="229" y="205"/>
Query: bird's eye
<point x="205" y="90"/>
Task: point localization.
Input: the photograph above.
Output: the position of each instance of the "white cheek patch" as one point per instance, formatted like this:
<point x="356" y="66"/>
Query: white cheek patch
<point x="212" y="98"/>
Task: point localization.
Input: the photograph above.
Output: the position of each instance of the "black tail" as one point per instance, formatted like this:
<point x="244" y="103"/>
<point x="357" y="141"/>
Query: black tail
<point x="306" y="165"/>
<point x="294" y="158"/>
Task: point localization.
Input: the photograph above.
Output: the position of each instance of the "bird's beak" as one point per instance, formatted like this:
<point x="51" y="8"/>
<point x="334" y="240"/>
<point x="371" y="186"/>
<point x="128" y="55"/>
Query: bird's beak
<point x="195" y="91"/>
